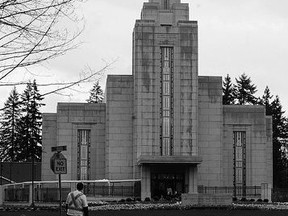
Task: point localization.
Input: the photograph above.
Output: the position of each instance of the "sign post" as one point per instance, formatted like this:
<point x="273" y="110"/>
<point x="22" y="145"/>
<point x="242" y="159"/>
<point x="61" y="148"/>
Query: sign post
<point x="58" y="164"/>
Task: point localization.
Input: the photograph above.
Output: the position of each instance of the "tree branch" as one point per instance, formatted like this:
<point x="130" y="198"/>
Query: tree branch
<point x="30" y="33"/>
<point x="85" y="79"/>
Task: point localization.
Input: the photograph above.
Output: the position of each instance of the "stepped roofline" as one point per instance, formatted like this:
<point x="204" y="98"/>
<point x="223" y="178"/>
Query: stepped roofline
<point x="165" y="12"/>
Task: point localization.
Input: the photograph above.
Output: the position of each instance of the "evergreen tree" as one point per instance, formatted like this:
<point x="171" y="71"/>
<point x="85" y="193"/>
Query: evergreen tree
<point x="245" y="90"/>
<point x="31" y="124"/>
<point x="9" y="131"/>
<point x="266" y="101"/>
<point x="228" y="91"/>
<point x="280" y="136"/>
<point x="96" y="94"/>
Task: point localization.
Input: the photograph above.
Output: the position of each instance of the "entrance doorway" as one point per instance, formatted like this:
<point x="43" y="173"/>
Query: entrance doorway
<point x="167" y="185"/>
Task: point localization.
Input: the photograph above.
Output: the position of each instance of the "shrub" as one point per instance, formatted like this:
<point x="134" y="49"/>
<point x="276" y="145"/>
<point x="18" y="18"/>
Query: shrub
<point x="147" y="199"/>
<point x="155" y="198"/>
<point x="266" y="200"/>
<point x="122" y="200"/>
<point x="252" y="200"/>
<point x="259" y="200"/>
<point x="168" y="198"/>
<point x="129" y="199"/>
<point x="243" y="199"/>
<point x="234" y="199"/>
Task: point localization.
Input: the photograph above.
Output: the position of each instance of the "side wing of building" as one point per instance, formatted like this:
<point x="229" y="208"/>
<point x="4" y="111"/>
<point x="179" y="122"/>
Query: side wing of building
<point x="235" y="141"/>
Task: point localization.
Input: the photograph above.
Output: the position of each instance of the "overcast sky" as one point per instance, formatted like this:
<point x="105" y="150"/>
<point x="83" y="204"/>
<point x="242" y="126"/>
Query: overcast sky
<point x="235" y="37"/>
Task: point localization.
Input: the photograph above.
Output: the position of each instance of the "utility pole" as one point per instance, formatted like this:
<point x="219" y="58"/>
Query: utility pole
<point x="32" y="149"/>
<point x="1" y="169"/>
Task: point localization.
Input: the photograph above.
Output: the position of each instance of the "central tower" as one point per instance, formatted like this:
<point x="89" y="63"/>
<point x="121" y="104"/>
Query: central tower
<point x="165" y="71"/>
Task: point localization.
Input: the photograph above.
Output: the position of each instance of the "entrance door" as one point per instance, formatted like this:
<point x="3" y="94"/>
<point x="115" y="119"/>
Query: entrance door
<point x="167" y="185"/>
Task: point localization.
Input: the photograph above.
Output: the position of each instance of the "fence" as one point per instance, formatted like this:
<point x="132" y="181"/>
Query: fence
<point x="48" y="192"/>
<point x="280" y="194"/>
<point x="17" y="194"/>
<point x="250" y="191"/>
<point x="112" y="190"/>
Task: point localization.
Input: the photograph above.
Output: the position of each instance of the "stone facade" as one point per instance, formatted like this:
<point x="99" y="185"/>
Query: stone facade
<point x="119" y="128"/>
<point x="210" y="131"/>
<point x="61" y="129"/>
<point x="163" y="124"/>
<point x="258" y="128"/>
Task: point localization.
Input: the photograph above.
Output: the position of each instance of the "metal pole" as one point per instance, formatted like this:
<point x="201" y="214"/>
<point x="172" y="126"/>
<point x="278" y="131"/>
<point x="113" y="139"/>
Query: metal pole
<point x="1" y="167"/>
<point x="33" y="204"/>
<point x="60" y="201"/>
<point x="10" y="170"/>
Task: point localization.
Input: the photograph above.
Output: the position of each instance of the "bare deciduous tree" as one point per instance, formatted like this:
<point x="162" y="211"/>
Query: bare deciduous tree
<point x="32" y="31"/>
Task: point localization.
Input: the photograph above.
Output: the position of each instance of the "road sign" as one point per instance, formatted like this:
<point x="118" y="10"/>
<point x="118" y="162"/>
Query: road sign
<point x="58" y="163"/>
<point x="60" y="166"/>
<point x="58" y="148"/>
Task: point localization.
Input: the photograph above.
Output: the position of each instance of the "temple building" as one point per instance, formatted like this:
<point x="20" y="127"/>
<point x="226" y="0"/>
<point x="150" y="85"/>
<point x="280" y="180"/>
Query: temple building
<point x="164" y="124"/>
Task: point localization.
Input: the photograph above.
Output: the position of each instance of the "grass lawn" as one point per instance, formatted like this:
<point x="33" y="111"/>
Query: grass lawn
<point x="192" y="212"/>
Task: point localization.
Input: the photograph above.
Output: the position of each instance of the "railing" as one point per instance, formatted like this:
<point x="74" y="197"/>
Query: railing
<point x="2" y="178"/>
<point x="17" y="194"/>
<point x="48" y="191"/>
<point x="280" y="194"/>
<point x="112" y="190"/>
<point x="50" y="194"/>
<point x="251" y="191"/>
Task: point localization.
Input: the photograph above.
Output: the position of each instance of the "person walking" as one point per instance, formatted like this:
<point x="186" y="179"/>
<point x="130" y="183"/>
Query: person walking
<point x="76" y="202"/>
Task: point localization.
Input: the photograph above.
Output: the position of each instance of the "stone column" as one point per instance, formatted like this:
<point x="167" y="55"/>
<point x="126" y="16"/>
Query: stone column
<point x="266" y="191"/>
<point x="191" y="197"/>
<point x="192" y="184"/>
<point x="145" y="182"/>
<point x="30" y="195"/>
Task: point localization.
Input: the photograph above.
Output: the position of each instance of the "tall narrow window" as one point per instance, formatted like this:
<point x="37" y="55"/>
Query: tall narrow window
<point x="166" y="138"/>
<point x="83" y="154"/>
<point x="239" y="163"/>
<point x="166" y="4"/>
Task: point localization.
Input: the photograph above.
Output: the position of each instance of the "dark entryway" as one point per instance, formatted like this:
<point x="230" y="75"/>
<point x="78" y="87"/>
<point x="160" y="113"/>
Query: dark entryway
<point x="167" y="181"/>
<point x="167" y="184"/>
